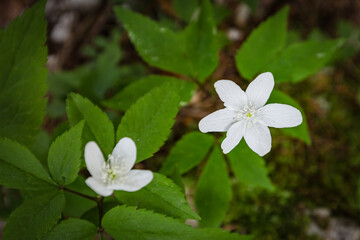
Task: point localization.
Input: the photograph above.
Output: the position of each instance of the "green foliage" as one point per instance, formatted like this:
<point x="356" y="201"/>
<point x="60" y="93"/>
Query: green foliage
<point x="194" y="52"/>
<point x="186" y="154"/>
<point x="123" y="223"/>
<point x="263" y="44"/>
<point x="103" y="73"/>
<point x="97" y="127"/>
<point x="41" y="146"/>
<point x="125" y="98"/>
<point x="351" y="33"/>
<point x="265" y="51"/>
<point x="64" y="155"/>
<point x="201" y="43"/>
<point x="35" y="217"/>
<point x="20" y="169"/>
<point x="76" y="205"/>
<point x="213" y="192"/>
<point x="23" y="75"/>
<point x="301" y="60"/>
<point x="158" y="46"/>
<point x="185" y="8"/>
<point x="249" y="168"/>
<point x="301" y="131"/>
<point x="92" y="79"/>
<point x="268" y="215"/>
<point x="161" y="195"/>
<point x="92" y="214"/>
<point x="73" y="229"/>
<point x="148" y="122"/>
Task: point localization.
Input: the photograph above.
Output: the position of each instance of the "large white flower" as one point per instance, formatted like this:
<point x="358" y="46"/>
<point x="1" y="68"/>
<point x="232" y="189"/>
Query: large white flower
<point x="116" y="173"/>
<point x="246" y="116"/>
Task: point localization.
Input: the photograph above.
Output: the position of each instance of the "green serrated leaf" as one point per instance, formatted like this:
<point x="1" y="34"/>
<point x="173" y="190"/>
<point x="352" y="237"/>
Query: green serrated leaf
<point x="301" y="60"/>
<point x="301" y="132"/>
<point x="35" y="218"/>
<point x="213" y="191"/>
<point x="158" y="46"/>
<point x="20" y="169"/>
<point x="201" y="43"/>
<point x="249" y="168"/>
<point x="185" y="154"/>
<point x="148" y="122"/>
<point x="161" y="195"/>
<point x="127" y="223"/>
<point x="73" y="229"/>
<point x="263" y="44"/>
<point x="125" y="98"/>
<point x="23" y="75"/>
<point x="97" y="127"/>
<point x="65" y="155"/>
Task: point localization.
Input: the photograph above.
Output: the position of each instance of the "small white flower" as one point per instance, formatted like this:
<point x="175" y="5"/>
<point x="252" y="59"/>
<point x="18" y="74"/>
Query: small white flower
<point x="246" y="116"/>
<point x="116" y="173"/>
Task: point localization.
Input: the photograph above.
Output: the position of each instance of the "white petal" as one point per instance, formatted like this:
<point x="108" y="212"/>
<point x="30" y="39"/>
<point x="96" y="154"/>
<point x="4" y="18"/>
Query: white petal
<point x="280" y="115"/>
<point x="218" y="121"/>
<point x="98" y="187"/>
<point x="94" y="159"/>
<point x="126" y="150"/>
<point x="134" y="181"/>
<point x="259" y="90"/>
<point x="258" y="138"/>
<point x="231" y="94"/>
<point x="233" y="136"/>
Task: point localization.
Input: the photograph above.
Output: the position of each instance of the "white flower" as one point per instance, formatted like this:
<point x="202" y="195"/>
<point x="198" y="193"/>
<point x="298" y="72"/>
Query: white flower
<point x="116" y="173"/>
<point x="246" y="116"/>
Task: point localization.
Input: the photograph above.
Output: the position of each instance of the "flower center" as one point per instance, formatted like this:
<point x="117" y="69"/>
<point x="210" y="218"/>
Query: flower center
<point x="247" y="113"/>
<point x="112" y="170"/>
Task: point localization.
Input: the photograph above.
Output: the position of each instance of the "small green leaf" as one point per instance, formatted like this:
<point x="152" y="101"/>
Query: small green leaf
<point x="301" y="132"/>
<point x="158" y="46"/>
<point x="20" y="169"/>
<point x="127" y="223"/>
<point x="263" y="44"/>
<point x="125" y="98"/>
<point x="73" y="229"/>
<point x="97" y="127"/>
<point x="64" y="155"/>
<point x="201" y="43"/>
<point x="23" y="75"/>
<point x="35" y="218"/>
<point x="301" y="60"/>
<point x="161" y="195"/>
<point x="185" y="8"/>
<point x="187" y="152"/>
<point x="249" y="168"/>
<point x="148" y="122"/>
<point x="213" y="192"/>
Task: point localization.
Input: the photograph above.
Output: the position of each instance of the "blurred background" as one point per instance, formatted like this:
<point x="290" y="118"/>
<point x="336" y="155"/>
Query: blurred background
<point x="318" y="194"/>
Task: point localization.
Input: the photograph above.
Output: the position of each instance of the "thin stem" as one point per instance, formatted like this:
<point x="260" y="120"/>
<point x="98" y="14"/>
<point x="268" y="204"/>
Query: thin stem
<point x="80" y="194"/>
<point x="100" y="206"/>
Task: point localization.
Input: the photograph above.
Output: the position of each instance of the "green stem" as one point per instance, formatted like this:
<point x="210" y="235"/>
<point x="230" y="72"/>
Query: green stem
<point x="100" y="207"/>
<point x="80" y="194"/>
